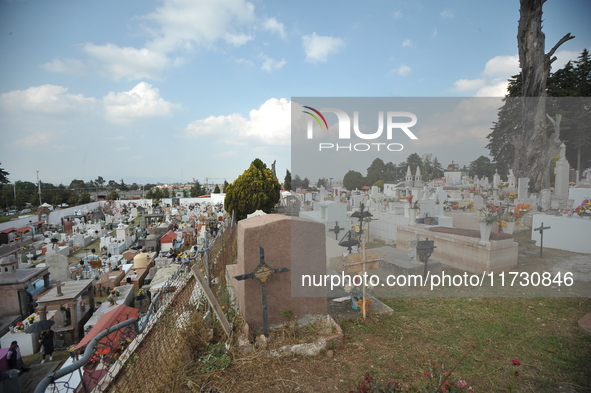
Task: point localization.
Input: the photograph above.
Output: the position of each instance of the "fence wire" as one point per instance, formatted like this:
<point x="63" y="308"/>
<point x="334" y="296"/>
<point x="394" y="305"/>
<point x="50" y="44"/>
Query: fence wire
<point x="144" y="356"/>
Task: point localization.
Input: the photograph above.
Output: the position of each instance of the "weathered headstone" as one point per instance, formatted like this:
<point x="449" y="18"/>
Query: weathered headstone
<point x="58" y="267"/>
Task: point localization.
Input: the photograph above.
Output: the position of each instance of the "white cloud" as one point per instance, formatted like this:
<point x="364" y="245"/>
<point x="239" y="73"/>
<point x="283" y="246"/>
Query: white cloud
<point x="237" y="39"/>
<point x="182" y="23"/>
<point x="143" y="101"/>
<point x="35" y="139"/>
<point x="273" y="25"/>
<point x="71" y="66"/>
<point x="244" y="62"/>
<point x="403" y="70"/>
<point x="397" y="14"/>
<point x="270" y="124"/>
<point x="177" y="25"/>
<point x="502" y="66"/>
<point x="47" y="99"/>
<point x="468" y="84"/>
<point x="115" y="62"/>
<point x="494" y="88"/>
<point x="317" y="48"/>
<point x="434" y="33"/>
<point x="122" y="148"/>
<point x="408" y="43"/>
<point x="270" y="65"/>
<point x="447" y="14"/>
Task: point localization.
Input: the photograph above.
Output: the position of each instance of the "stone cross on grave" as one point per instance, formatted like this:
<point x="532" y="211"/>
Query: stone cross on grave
<point x="336" y="230"/>
<point x="261" y="274"/>
<point x="541" y="229"/>
<point x="58" y="285"/>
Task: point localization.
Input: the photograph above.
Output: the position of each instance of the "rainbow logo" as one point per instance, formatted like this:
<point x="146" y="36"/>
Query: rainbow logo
<point x="316" y="117"/>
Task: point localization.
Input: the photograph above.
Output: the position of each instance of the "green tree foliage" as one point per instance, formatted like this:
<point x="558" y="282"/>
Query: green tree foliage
<point x="217" y="190"/>
<point x="255" y="189"/>
<point x="322" y="182"/>
<point x="431" y="168"/>
<point x="378" y="170"/>
<point x="3" y="176"/>
<point x="482" y="167"/>
<point x="165" y="192"/>
<point x="225" y="185"/>
<point x="99" y="182"/>
<point x="113" y="195"/>
<point x="85" y="198"/>
<point x="123" y="186"/>
<point x="196" y="189"/>
<point x="573" y="80"/>
<point x="379" y="184"/>
<point x="150" y="194"/>
<point x="353" y="180"/>
<point x="287" y="180"/>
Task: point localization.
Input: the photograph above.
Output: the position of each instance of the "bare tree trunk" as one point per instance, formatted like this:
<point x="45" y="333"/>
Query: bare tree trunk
<point x="534" y="149"/>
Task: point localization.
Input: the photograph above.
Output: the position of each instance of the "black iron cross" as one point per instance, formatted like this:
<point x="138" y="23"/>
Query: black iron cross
<point x="336" y="230"/>
<point x="361" y="214"/>
<point x="424" y="250"/>
<point x="348" y="241"/>
<point x="261" y="274"/>
<point x="541" y="229"/>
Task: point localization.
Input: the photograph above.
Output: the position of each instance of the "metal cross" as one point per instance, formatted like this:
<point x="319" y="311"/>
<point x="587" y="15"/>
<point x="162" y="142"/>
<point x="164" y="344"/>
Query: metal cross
<point x="336" y="230"/>
<point x="361" y="214"/>
<point x="541" y="229"/>
<point x="424" y="250"/>
<point x="348" y="241"/>
<point x="261" y="274"/>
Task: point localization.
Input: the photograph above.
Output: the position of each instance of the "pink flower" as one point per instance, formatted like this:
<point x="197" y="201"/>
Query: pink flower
<point x="516" y="362"/>
<point x="461" y="384"/>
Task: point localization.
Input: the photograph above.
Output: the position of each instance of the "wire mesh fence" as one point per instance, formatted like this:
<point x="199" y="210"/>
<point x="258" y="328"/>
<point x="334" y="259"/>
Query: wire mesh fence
<point x="145" y="356"/>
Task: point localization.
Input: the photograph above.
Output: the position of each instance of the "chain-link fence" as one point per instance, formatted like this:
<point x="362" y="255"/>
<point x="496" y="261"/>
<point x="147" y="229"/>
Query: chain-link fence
<point x="148" y="357"/>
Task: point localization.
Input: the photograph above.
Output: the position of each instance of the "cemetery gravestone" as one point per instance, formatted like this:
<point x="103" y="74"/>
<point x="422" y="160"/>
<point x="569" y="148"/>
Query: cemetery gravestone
<point x="522" y="188"/>
<point x="59" y="268"/>
<point x="289" y="242"/>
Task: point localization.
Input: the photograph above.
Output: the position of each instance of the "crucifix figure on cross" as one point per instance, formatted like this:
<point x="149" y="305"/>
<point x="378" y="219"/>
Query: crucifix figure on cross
<point x="541" y="230"/>
<point x="261" y="274"/>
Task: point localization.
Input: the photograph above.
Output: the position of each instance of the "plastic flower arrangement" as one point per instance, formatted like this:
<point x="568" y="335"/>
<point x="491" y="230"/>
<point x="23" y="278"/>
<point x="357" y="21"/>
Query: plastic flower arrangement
<point x="490" y="213"/>
<point x="414" y="205"/>
<point x="585" y="209"/>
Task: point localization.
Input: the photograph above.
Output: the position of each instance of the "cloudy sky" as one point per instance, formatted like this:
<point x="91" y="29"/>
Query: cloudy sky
<point x="173" y="90"/>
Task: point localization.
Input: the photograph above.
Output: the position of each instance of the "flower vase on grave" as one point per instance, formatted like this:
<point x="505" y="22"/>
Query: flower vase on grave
<point x="510" y="227"/>
<point x="412" y="214"/>
<point x="485" y="230"/>
<point x="354" y="300"/>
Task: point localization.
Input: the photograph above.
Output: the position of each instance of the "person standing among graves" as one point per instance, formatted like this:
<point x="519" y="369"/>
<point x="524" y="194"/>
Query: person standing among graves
<point x="14" y="358"/>
<point x="46" y="341"/>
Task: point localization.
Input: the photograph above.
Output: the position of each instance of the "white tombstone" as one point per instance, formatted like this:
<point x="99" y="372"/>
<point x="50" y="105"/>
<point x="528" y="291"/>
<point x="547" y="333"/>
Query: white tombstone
<point x="522" y="188"/>
<point x="427" y="208"/>
<point x="496" y="179"/>
<point x="561" y="171"/>
<point x="59" y="267"/>
<point x="478" y="202"/>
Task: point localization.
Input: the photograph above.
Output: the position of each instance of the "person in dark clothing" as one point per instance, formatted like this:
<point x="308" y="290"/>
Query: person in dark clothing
<point x="46" y="341"/>
<point x="14" y="358"/>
